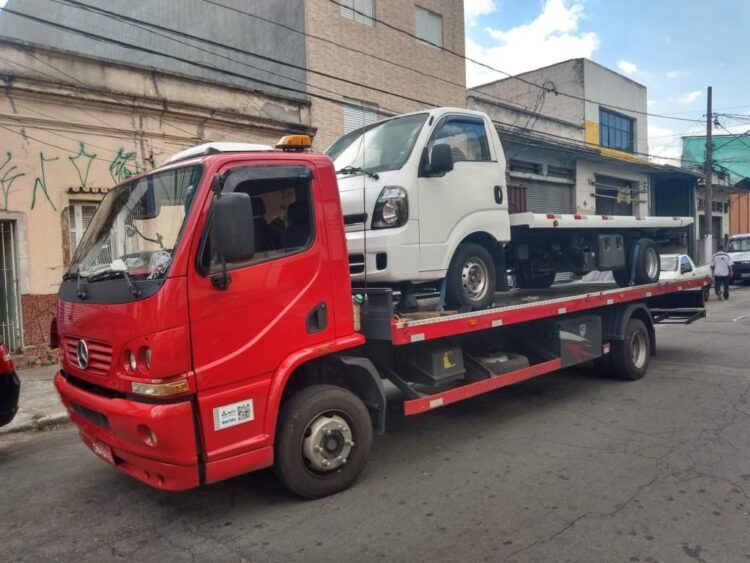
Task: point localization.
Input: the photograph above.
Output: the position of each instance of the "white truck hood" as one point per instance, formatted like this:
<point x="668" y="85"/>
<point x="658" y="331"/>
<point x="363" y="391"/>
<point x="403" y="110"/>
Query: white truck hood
<point x="739" y="256"/>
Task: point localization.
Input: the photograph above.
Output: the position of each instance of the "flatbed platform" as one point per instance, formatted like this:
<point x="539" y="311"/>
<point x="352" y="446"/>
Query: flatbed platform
<point x="519" y="306"/>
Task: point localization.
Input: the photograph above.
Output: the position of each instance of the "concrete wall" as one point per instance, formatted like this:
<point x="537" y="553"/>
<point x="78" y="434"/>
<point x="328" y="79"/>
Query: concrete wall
<point x="431" y="75"/>
<point x="566" y="77"/>
<point x="71" y="133"/>
<point x="615" y="92"/>
<point x="502" y="114"/>
<point x="193" y="16"/>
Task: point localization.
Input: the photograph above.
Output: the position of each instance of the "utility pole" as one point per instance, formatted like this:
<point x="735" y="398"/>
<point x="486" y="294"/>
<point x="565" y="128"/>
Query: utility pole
<point x="708" y="201"/>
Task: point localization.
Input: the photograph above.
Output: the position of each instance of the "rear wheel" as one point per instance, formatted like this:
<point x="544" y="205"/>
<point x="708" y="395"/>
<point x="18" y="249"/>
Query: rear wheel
<point x="471" y="278"/>
<point x="630" y="357"/>
<point x="647" y="264"/>
<point x="324" y="438"/>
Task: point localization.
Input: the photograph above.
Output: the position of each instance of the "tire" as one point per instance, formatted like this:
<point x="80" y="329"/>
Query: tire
<point x="630" y="357"/>
<point x="309" y="414"/>
<point x="471" y="278"/>
<point x="647" y="266"/>
<point x="525" y="281"/>
<point x="706" y="293"/>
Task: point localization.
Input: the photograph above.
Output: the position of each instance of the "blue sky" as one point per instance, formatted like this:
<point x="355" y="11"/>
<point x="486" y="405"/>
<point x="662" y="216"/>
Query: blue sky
<point x="675" y="48"/>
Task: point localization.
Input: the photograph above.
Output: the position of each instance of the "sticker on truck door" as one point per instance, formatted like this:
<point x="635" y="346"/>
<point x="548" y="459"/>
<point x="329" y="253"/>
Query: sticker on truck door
<point x="234" y="414"/>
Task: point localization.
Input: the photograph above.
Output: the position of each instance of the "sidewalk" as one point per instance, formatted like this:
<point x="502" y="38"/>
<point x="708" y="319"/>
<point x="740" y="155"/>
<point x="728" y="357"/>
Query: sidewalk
<point x="39" y="404"/>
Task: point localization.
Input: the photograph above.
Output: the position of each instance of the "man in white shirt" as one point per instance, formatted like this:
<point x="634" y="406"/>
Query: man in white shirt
<point x="721" y="266"/>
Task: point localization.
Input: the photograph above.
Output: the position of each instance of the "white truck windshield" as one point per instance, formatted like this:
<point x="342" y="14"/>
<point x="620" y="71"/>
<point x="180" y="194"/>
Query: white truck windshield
<point x="137" y="226"/>
<point x="739" y="245"/>
<point x="382" y="146"/>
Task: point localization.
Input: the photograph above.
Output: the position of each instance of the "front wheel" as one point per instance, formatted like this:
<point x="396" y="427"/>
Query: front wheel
<point x="471" y="278"/>
<point x="323" y="442"/>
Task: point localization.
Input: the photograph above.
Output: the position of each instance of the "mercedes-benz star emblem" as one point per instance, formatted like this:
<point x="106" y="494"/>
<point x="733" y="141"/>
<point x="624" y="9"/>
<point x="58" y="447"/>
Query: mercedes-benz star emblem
<point x="83" y="354"/>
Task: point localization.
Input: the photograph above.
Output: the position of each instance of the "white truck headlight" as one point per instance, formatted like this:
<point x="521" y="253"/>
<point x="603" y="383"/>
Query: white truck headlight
<point x="391" y="209"/>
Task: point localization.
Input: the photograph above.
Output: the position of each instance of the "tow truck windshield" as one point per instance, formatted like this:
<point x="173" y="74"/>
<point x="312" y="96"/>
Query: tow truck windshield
<point x="136" y="229"/>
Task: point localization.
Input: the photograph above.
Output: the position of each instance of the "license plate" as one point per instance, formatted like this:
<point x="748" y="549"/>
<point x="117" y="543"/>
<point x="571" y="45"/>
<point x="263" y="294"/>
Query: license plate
<point x="103" y="451"/>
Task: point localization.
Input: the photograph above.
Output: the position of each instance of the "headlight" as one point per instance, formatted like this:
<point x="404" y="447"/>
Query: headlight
<point x="391" y="209"/>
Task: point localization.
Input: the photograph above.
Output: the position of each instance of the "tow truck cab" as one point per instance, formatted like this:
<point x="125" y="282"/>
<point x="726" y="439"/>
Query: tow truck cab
<point x="174" y="356"/>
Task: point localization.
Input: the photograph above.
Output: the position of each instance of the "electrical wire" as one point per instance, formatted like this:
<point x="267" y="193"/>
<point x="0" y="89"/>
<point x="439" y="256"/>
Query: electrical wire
<point x="234" y="74"/>
<point x="507" y="74"/>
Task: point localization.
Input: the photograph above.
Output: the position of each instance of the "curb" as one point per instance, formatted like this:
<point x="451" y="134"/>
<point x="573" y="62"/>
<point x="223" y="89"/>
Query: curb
<point x="38" y="424"/>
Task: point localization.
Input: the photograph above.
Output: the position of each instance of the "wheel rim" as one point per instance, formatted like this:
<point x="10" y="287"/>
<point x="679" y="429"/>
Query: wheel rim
<point x="638" y="349"/>
<point x="327" y="443"/>
<point x="652" y="264"/>
<point x="475" y="279"/>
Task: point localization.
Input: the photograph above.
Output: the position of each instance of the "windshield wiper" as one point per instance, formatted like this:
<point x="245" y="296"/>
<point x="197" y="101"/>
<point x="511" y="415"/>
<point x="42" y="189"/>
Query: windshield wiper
<point x="81" y="291"/>
<point x="114" y="274"/>
<point x="357" y="170"/>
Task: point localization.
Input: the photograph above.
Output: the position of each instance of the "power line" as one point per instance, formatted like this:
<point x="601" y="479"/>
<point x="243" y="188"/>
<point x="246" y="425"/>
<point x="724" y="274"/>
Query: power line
<point x="259" y="56"/>
<point x="204" y="66"/>
<point x="461" y="85"/>
<point x="494" y="69"/>
<point x="231" y="73"/>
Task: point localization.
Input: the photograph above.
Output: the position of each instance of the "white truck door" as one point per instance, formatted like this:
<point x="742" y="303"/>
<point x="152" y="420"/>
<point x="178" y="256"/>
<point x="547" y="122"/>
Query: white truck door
<point x="470" y="198"/>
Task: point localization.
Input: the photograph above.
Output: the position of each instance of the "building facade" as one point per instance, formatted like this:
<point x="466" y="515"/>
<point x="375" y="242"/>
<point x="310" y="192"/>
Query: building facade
<point x="72" y="127"/>
<point x="389" y="52"/>
<point x="97" y="93"/>
<point x="583" y="105"/>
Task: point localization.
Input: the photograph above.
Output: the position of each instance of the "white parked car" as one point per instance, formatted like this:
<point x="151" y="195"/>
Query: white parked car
<point x="681" y="266"/>
<point x="738" y="248"/>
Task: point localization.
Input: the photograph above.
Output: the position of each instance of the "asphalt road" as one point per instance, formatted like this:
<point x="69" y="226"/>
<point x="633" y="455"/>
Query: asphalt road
<point x="570" y="467"/>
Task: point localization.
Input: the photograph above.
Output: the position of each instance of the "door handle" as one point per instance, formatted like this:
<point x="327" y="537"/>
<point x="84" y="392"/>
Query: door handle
<point x="317" y="319"/>
<point x="498" y="194"/>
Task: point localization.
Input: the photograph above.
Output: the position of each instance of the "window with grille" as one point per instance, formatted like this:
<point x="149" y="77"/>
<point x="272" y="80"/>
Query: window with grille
<point x="428" y="26"/>
<point x="79" y="217"/>
<point x="361" y="11"/>
<point x="358" y="114"/>
<point x="615" y="131"/>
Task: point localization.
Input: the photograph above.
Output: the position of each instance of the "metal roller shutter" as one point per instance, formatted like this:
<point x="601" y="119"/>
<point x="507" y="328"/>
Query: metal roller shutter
<point x="358" y="114"/>
<point x="549" y="198"/>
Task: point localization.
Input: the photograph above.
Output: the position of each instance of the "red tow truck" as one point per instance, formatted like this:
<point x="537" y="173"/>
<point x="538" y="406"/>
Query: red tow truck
<point x="209" y="328"/>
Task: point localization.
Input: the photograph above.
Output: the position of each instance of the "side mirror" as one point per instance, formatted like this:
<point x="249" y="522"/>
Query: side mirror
<point x="441" y="160"/>
<point x="685" y="268"/>
<point x="233" y="229"/>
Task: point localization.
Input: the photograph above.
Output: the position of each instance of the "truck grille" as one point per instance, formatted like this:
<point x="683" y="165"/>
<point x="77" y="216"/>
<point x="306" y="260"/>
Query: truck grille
<point x="100" y="355"/>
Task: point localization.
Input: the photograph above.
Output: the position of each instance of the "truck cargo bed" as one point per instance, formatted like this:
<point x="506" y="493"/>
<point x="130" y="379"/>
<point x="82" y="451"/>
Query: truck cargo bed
<point x="380" y="321"/>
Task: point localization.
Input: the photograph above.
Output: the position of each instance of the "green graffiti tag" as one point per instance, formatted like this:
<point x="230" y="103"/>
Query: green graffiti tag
<point x="82" y="167"/>
<point x="9" y="176"/>
<point x="41" y="182"/>
<point x="120" y="167"/>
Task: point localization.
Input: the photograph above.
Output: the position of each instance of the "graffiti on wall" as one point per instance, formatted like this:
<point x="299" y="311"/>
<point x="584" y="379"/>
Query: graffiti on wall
<point x="84" y="166"/>
<point x="41" y="181"/>
<point x="121" y="167"/>
<point x="10" y="174"/>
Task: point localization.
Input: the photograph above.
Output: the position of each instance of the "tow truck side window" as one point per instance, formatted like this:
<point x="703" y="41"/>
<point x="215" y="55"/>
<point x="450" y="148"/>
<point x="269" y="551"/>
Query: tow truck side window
<point x="282" y="212"/>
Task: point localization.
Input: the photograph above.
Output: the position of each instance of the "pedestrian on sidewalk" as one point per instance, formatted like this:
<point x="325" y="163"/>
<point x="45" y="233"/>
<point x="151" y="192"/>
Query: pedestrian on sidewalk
<point x="721" y="267"/>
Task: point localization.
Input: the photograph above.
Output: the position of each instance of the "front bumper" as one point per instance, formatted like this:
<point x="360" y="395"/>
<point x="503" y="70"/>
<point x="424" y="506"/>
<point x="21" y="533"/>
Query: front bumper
<point x="10" y="388"/>
<point x="741" y="271"/>
<point x="126" y="427"/>
<point x="390" y="255"/>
